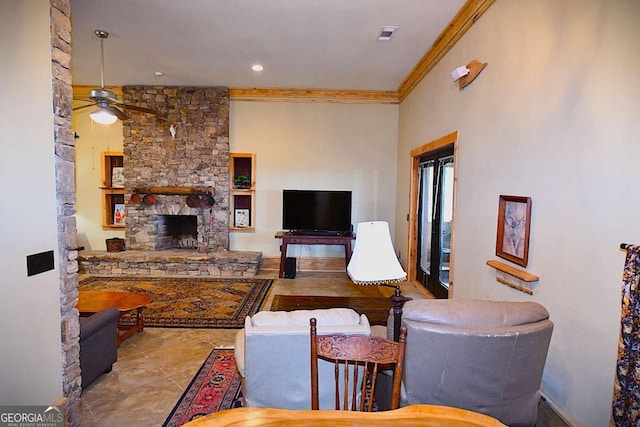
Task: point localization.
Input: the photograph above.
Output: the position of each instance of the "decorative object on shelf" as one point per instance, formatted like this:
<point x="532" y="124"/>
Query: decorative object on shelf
<point x="118" y="214"/>
<point x="136" y="199"/>
<point x="514" y="222"/>
<point x="193" y="201"/>
<point x="242" y="181"/>
<point x="172" y="130"/>
<point x="149" y="199"/>
<point x="464" y="75"/>
<point x="242" y="218"/>
<point x="115" y="244"/>
<point x="117" y="177"/>
<point x="207" y="201"/>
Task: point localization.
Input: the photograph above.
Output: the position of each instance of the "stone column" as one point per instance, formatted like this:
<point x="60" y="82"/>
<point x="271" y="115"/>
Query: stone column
<point x="65" y="194"/>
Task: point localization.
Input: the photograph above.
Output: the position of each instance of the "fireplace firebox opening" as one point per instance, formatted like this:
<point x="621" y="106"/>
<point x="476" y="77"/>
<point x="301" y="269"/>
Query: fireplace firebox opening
<point x="176" y="232"/>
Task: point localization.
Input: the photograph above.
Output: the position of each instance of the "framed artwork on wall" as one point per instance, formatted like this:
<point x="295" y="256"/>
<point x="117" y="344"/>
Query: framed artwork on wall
<point x="117" y="177"/>
<point x="242" y="218"/>
<point x="514" y="223"/>
<point x="118" y="214"/>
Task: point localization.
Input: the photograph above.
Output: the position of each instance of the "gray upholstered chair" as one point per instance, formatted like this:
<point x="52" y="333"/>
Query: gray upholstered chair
<point x="484" y="356"/>
<point x="98" y="347"/>
<point x="273" y="355"/>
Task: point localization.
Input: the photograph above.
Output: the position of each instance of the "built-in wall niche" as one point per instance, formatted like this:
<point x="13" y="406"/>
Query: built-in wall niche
<point x="243" y="191"/>
<point x="112" y="189"/>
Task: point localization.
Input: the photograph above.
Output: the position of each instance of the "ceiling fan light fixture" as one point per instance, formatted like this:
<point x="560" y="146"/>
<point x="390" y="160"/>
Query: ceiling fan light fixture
<point x="102" y="116"/>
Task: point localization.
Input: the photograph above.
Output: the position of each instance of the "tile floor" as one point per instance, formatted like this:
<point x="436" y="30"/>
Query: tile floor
<point x="155" y="366"/>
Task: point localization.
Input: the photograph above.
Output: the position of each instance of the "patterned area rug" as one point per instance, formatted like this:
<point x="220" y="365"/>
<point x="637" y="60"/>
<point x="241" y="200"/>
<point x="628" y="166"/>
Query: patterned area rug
<point x="196" y="302"/>
<point x="215" y="387"/>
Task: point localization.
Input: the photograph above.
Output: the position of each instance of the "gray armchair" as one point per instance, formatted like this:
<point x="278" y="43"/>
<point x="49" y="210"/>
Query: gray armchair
<point x="98" y="347"/>
<point x="484" y="356"/>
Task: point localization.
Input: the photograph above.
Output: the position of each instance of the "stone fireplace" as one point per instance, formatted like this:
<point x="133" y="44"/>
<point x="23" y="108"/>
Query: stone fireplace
<point x="187" y="151"/>
<point x="176" y="159"/>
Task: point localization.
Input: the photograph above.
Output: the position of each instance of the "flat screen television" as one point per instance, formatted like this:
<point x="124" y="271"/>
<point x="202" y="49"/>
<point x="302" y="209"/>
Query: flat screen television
<point x="319" y="211"/>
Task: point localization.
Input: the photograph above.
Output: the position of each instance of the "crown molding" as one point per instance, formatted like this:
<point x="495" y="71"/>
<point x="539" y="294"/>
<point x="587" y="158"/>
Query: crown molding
<point x="314" y="95"/>
<point x="468" y="14"/>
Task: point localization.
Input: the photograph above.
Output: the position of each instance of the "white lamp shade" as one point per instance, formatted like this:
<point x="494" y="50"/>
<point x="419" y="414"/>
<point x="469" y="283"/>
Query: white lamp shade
<point x="374" y="260"/>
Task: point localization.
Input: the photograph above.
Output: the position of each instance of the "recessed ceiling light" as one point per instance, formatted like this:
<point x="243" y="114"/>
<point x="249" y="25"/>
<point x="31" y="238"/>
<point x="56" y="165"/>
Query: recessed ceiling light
<point x="386" y="33"/>
<point x="158" y="73"/>
<point x="257" y="67"/>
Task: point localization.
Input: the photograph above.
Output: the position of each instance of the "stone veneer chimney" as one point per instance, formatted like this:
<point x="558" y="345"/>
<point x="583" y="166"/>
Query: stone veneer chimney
<point x="196" y="157"/>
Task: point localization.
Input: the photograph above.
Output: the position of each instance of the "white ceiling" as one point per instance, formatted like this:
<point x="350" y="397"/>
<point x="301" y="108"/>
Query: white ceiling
<point x="321" y="44"/>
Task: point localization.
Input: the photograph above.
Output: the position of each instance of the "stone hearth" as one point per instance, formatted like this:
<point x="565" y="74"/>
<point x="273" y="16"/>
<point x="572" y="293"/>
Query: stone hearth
<point x="175" y="262"/>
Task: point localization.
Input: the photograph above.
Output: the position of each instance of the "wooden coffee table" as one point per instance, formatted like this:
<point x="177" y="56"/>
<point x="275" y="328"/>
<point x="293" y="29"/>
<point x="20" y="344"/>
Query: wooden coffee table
<point x="90" y="302"/>
<point x="376" y="309"/>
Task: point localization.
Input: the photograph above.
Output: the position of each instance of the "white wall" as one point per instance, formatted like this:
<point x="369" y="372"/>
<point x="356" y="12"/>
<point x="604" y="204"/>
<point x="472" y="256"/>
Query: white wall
<point x="30" y="367"/>
<point x="297" y="146"/>
<point x="310" y="146"/>
<point x="94" y="139"/>
<point x="553" y="117"/>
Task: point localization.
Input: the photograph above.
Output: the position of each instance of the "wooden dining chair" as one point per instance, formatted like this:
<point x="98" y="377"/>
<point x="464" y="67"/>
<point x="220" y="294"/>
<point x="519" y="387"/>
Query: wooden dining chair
<point x="354" y="356"/>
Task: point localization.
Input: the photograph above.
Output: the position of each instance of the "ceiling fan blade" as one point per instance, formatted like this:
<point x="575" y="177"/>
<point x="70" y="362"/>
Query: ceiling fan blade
<point x="119" y="114"/>
<point x="156" y="113"/>
<point x="93" y="104"/>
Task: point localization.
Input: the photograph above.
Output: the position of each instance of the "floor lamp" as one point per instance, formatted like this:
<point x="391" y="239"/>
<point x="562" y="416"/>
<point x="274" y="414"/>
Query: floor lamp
<point x="374" y="262"/>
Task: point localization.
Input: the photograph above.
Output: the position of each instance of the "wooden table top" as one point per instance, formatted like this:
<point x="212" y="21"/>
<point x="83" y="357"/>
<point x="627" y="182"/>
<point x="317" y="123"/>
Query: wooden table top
<point x="376" y="308"/>
<point x="95" y="301"/>
<point x="409" y="416"/>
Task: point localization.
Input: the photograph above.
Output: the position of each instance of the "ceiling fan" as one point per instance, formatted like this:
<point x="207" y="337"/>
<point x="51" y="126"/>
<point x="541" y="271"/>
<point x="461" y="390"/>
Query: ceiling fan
<point x="107" y="100"/>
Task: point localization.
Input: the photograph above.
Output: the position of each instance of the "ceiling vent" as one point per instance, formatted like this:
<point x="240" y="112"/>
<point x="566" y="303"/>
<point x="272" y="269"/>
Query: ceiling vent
<point x="386" y="33"/>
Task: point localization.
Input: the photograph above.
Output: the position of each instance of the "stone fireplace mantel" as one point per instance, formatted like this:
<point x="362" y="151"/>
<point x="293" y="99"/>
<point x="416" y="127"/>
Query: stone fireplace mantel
<point x="173" y="190"/>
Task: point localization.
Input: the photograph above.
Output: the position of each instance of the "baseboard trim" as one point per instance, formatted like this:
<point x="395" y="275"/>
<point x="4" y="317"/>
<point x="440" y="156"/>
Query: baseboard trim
<point x="559" y="416"/>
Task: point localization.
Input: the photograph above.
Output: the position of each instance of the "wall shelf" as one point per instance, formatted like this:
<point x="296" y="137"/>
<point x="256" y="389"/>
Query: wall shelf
<point x="112" y="187"/>
<point x="242" y="200"/>
<point x="523" y="276"/>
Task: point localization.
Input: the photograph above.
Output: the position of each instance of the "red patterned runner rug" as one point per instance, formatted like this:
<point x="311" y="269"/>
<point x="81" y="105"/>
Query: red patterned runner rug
<point x="215" y="387"/>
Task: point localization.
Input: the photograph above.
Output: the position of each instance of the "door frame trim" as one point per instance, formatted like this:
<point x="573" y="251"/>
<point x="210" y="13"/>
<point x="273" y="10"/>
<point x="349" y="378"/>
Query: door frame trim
<point x="414" y="184"/>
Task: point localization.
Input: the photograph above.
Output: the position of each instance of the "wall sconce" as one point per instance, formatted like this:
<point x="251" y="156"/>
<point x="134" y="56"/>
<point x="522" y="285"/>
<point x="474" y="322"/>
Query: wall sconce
<point x="459" y="72"/>
<point x="466" y="74"/>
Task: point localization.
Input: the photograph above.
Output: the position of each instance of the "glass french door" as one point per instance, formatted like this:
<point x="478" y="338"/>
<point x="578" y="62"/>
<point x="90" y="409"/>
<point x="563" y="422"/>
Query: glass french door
<point x="435" y="212"/>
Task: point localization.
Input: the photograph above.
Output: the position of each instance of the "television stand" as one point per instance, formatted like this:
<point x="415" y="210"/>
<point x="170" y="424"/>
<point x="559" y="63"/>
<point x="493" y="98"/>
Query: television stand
<point x="314" y="233"/>
<point x="289" y="238"/>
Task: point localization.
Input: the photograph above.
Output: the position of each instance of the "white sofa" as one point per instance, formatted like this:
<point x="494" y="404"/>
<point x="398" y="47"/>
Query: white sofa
<point x="273" y="356"/>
